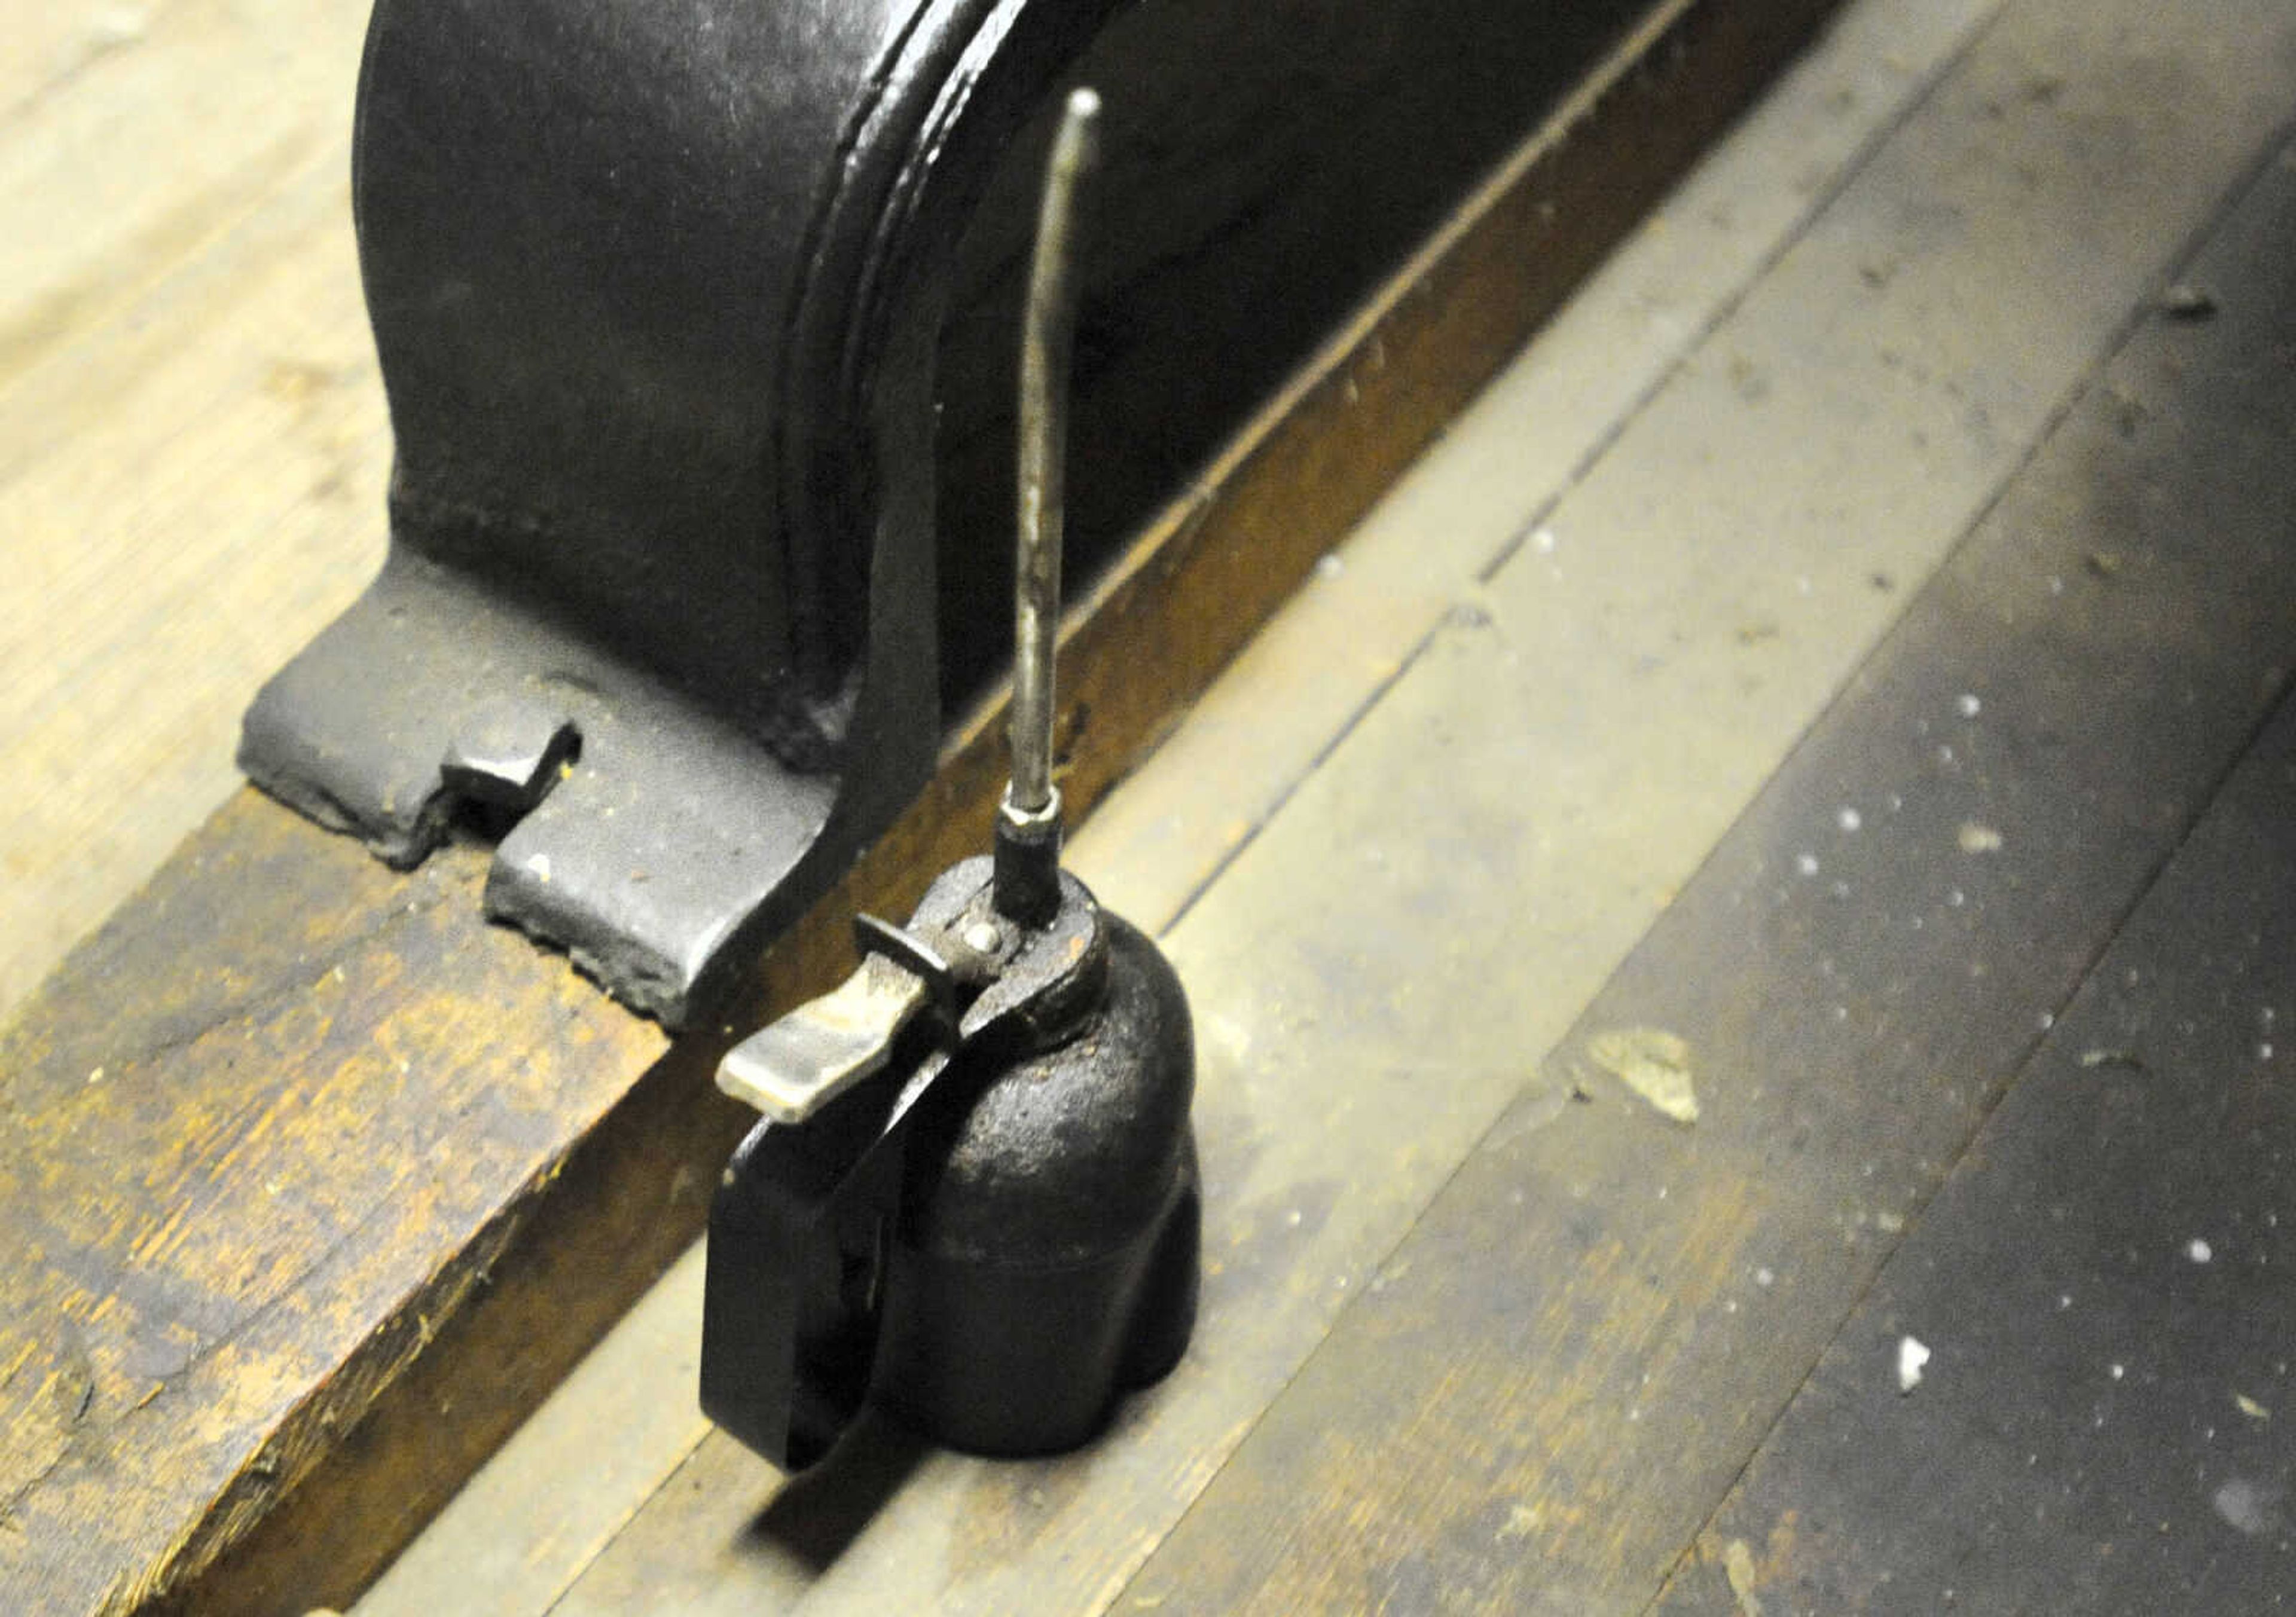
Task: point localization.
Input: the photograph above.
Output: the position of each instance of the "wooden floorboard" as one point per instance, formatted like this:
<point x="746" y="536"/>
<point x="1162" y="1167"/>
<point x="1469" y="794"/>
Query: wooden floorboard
<point x="1545" y="1390"/>
<point x="1684" y="599"/>
<point x="321" y="1183"/>
<point x="2102" y="1297"/>
<point x="193" y="452"/>
<point x="1499" y="827"/>
<point x="514" y="1538"/>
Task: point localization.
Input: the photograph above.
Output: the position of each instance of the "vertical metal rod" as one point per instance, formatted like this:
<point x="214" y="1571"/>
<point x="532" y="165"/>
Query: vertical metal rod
<point x="1047" y="338"/>
<point x="1029" y="823"/>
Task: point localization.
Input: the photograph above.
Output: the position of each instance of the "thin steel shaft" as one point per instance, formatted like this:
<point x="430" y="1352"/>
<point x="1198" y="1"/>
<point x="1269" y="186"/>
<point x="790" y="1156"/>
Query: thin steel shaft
<point x="1045" y="342"/>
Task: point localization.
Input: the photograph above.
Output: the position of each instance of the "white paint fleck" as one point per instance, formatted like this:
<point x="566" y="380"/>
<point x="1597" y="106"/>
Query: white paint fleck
<point x="2264" y="1051"/>
<point x="2118" y="1371"/>
<point x="1766" y="1276"/>
<point x="2199" y="1250"/>
<point x="1542" y="542"/>
<point x="1976" y="838"/>
<point x="2253" y="1507"/>
<point x="118" y="25"/>
<point x="1969" y="705"/>
<point x="1521" y="1521"/>
<point x="1807" y="863"/>
<point x="539" y="864"/>
<point x="1330" y="565"/>
<point x="2249" y="1406"/>
<point x="1913" y="1354"/>
<point x="1848" y="820"/>
<point x="96" y="1076"/>
<point x="1292" y="1219"/>
<point x="1957" y="898"/>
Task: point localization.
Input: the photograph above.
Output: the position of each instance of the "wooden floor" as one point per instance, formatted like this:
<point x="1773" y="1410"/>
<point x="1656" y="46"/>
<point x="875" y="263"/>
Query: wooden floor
<point x="317" y="1184"/>
<point x="1791" y="713"/>
<point x="193" y="448"/>
<point x="1767" y="849"/>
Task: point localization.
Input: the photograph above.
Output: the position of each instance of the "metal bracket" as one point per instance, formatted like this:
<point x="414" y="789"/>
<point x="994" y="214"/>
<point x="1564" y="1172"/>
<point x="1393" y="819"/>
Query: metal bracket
<point x="654" y="286"/>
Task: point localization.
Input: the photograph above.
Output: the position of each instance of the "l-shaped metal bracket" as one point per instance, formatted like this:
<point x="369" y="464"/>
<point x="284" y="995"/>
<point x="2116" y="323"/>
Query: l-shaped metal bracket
<point x="655" y="285"/>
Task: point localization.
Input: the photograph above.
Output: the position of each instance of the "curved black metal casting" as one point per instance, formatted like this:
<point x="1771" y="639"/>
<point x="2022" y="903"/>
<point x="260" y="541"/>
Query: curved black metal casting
<point x="655" y="285"/>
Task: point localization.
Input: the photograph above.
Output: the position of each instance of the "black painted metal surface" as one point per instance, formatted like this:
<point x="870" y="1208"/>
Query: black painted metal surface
<point x="655" y="289"/>
<point x="995" y="1235"/>
<point x="658" y="294"/>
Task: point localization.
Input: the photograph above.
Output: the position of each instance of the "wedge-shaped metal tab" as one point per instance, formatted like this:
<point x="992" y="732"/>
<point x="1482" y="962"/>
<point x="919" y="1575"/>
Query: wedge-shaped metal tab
<point x="793" y="1068"/>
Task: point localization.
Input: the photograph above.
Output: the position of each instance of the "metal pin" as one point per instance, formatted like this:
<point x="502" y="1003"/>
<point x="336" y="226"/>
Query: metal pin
<point x="1029" y="825"/>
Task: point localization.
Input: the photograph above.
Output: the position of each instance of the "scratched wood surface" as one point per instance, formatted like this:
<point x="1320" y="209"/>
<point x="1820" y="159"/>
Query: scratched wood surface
<point x="519" y="1534"/>
<point x="2103" y="1285"/>
<point x="193" y="451"/>
<point x="1546" y="1388"/>
<point x="1483" y="835"/>
<point x="193" y="447"/>
<point x="320" y="1183"/>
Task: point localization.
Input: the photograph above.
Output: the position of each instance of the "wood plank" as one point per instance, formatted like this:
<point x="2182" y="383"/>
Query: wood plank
<point x="191" y="445"/>
<point x="185" y="1397"/>
<point x="1403" y="919"/>
<point x="195" y="1317"/>
<point x="190" y="436"/>
<point x="190" y="416"/>
<point x="516" y="1535"/>
<point x="1548" y="1386"/>
<point x="1500" y="466"/>
<point x="238" y="96"/>
<point x="2098" y="1426"/>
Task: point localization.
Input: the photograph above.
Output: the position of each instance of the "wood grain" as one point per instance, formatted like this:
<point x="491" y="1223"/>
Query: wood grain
<point x="2096" y="1429"/>
<point x="193" y="452"/>
<point x="300" y="1147"/>
<point x="517" y="1535"/>
<point x="1551" y="1383"/>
